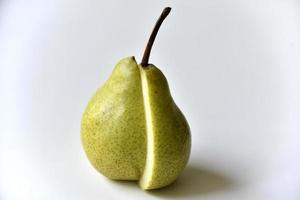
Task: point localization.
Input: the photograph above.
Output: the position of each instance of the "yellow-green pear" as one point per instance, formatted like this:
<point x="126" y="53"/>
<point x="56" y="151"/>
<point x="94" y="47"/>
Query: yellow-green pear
<point x="132" y="128"/>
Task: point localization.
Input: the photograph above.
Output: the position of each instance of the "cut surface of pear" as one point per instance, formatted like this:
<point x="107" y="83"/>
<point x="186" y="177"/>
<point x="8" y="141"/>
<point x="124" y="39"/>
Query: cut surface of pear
<point x="133" y="130"/>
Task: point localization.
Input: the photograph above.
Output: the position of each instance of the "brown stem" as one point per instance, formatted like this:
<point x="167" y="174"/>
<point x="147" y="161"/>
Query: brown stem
<point x="147" y="51"/>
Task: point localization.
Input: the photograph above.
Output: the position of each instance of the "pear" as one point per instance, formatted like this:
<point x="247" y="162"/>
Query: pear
<point x="132" y="128"/>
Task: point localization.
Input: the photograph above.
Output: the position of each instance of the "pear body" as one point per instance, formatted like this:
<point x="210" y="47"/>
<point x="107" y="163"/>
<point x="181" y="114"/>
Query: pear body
<point x="133" y="130"/>
<point x="113" y="125"/>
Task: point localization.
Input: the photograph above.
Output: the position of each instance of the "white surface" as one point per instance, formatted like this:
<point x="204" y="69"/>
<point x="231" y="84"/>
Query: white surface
<point x="232" y="66"/>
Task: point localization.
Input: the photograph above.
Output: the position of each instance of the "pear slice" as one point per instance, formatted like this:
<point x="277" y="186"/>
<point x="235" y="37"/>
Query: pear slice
<point x="168" y="134"/>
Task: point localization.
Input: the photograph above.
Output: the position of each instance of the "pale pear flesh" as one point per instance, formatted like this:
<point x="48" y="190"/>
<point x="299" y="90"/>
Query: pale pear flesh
<point x="133" y="130"/>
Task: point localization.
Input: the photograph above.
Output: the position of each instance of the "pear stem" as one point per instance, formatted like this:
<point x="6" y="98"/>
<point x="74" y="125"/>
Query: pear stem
<point x="148" y="48"/>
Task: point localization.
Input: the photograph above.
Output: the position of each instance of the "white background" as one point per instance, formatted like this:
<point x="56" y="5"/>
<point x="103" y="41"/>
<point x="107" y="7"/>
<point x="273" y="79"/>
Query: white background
<point x="232" y="67"/>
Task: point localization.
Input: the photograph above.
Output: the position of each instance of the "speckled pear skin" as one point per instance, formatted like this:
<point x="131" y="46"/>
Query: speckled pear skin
<point x="113" y="131"/>
<point x="115" y="128"/>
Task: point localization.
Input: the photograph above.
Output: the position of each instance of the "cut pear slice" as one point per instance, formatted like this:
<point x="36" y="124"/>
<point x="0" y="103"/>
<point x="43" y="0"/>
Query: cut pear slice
<point x="168" y="134"/>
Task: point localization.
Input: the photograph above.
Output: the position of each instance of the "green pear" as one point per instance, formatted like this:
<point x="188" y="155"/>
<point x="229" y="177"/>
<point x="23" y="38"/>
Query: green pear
<point x="132" y="128"/>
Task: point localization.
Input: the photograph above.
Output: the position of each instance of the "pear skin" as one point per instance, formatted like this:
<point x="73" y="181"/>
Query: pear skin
<point x="113" y="125"/>
<point x="132" y="129"/>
